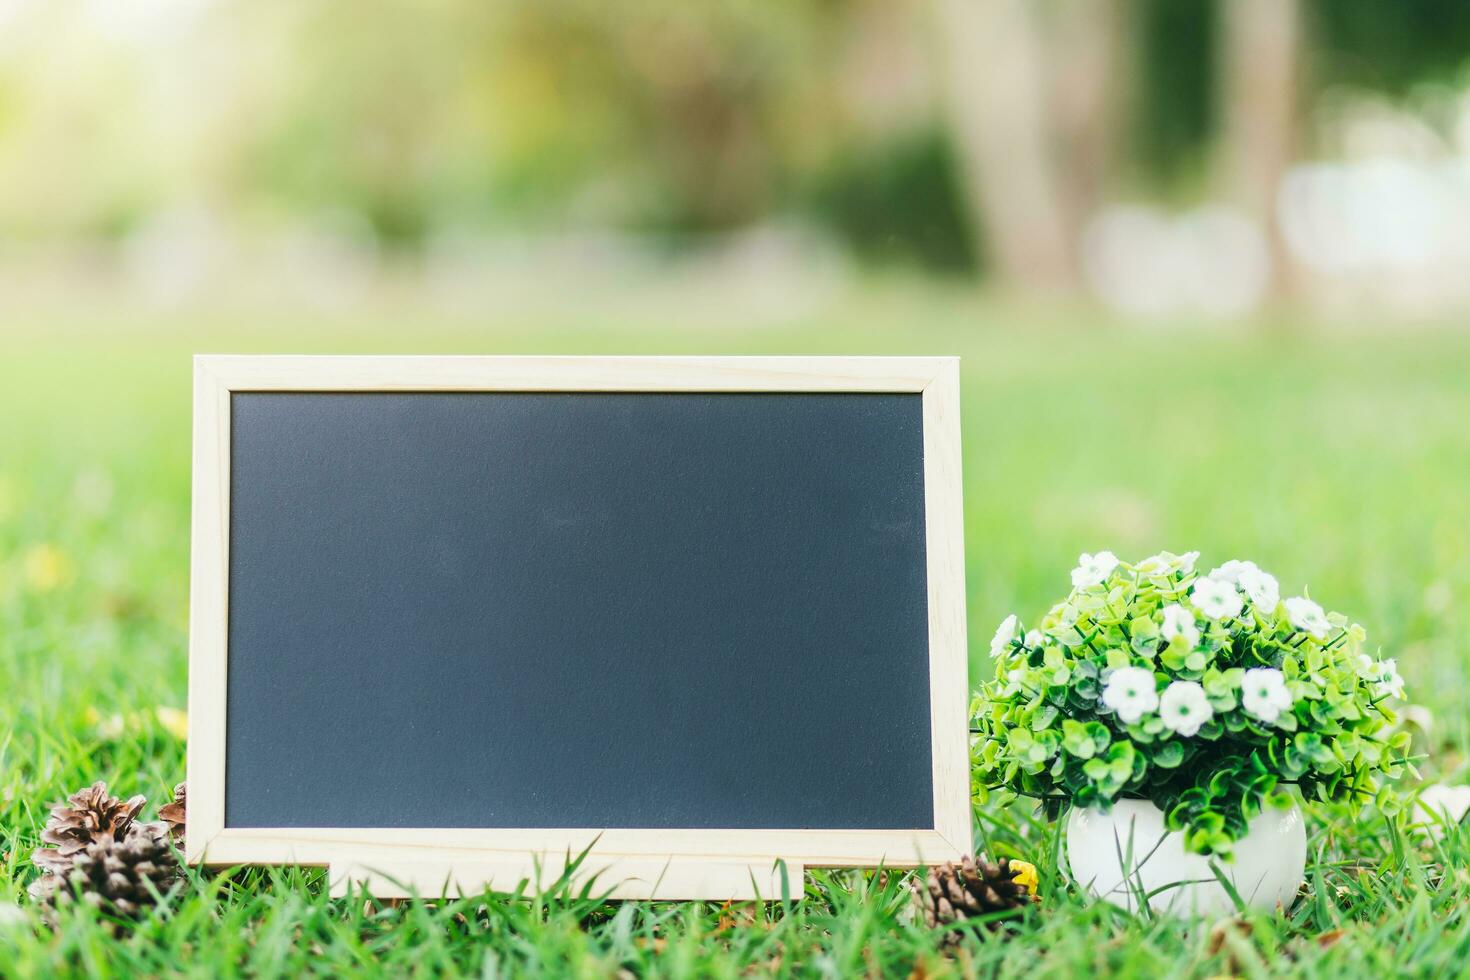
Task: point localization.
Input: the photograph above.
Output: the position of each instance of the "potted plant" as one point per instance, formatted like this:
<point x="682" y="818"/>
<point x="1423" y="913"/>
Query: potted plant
<point x="1180" y="717"/>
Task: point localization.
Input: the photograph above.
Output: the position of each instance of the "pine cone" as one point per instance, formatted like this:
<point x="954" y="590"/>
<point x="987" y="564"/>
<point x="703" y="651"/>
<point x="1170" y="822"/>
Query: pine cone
<point x="174" y="814"/>
<point x="973" y="887"/>
<point x="118" y="877"/>
<point x="89" y="816"/>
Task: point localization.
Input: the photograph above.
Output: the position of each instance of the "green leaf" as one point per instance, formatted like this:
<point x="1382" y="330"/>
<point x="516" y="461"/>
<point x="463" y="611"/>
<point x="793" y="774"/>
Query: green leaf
<point x="1076" y="740"/>
<point x="1169" y="754"/>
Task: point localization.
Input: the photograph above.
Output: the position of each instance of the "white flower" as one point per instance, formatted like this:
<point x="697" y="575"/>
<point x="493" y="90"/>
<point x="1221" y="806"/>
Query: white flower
<point x="1262" y="588"/>
<point x="1064" y="613"/>
<point x="1179" y="621"/>
<point x="1217" y="600"/>
<point x="1263" y="694"/>
<point x="1005" y="635"/>
<point x="1184" y="707"/>
<point x="1013" y="679"/>
<point x="1165" y="562"/>
<point x="1034" y="639"/>
<point x="1386" y="680"/>
<point x="1440" y="805"/>
<point x="1308" y="617"/>
<point x="1152" y="565"/>
<point x="1232" y="570"/>
<point x="1131" y="692"/>
<point x="1093" y="569"/>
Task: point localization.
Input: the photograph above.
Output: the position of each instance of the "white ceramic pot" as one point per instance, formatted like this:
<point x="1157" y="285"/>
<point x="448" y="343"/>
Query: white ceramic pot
<point x="1113" y="854"/>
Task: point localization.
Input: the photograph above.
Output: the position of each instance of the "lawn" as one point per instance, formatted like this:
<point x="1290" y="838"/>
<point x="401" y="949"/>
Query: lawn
<point x="1339" y="460"/>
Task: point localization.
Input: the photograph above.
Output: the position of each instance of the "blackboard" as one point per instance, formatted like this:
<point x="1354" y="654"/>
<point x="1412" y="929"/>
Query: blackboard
<point x="577" y="609"/>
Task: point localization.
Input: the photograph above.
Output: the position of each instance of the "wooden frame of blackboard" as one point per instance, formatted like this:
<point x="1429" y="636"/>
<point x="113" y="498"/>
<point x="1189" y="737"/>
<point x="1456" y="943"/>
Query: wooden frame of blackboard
<point x="630" y="863"/>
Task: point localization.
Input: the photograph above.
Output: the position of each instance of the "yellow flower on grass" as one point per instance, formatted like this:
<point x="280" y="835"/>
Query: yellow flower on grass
<point x="108" y="727"/>
<point x="175" y="721"/>
<point x="46" y="567"/>
<point x="1025" y="876"/>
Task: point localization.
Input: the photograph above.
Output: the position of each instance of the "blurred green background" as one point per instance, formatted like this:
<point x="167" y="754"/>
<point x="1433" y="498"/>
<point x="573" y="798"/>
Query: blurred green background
<point x="1204" y="261"/>
<point x="1163" y="158"/>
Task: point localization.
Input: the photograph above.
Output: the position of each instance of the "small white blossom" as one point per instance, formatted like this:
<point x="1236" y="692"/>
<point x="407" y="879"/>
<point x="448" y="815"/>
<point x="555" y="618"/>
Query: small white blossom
<point x="1165" y="563"/>
<point x="1263" y="694"/>
<point x="1152" y="565"/>
<point x="1131" y="692"/>
<point x="1184" y="707"/>
<point x="1013" y="685"/>
<point x="1307" y="616"/>
<point x="1064" y="613"/>
<point x="1034" y="639"/>
<point x="1005" y="635"/>
<point x="1262" y="589"/>
<point x="1386" y="680"/>
<point x="1232" y="570"/>
<point x="1217" y="600"/>
<point x="1093" y="569"/>
<point x="1179" y="621"/>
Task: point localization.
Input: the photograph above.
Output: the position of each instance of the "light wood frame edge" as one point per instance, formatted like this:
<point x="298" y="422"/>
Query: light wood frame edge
<point x="216" y="377"/>
<point x="208" y="611"/>
<point x="949" y="684"/>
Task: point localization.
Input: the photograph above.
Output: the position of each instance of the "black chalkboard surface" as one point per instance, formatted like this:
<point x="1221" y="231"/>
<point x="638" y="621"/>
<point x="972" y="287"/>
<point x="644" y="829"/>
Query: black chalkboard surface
<point x="577" y="609"/>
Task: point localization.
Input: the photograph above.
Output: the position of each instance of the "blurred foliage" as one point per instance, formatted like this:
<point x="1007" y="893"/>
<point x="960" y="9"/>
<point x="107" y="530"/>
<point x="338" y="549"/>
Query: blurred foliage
<point x="402" y="119"/>
<point x="897" y="203"/>
<point x="650" y="114"/>
<point x="1174" y="76"/>
<point x="1388" y="46"/>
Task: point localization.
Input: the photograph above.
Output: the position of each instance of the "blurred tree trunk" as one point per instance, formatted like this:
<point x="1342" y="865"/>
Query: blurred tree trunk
<point x="999" y="123"/>
<point x="1031" y="98"/>
<point x="1087" y="69"/>
<point x="1261" y="45"/>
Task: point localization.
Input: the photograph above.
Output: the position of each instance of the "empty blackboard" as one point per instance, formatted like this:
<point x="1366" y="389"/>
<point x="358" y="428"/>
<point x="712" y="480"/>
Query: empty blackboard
<point x="574" y="608"/>
<point x="480" y="608"/>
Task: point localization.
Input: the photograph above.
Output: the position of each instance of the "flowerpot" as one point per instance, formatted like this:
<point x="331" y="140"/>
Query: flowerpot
<point x="1127" y="852"/>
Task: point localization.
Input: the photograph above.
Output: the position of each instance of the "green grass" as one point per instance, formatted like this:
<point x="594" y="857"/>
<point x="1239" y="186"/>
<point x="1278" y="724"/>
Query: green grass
<point x="1342" y="461"/>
